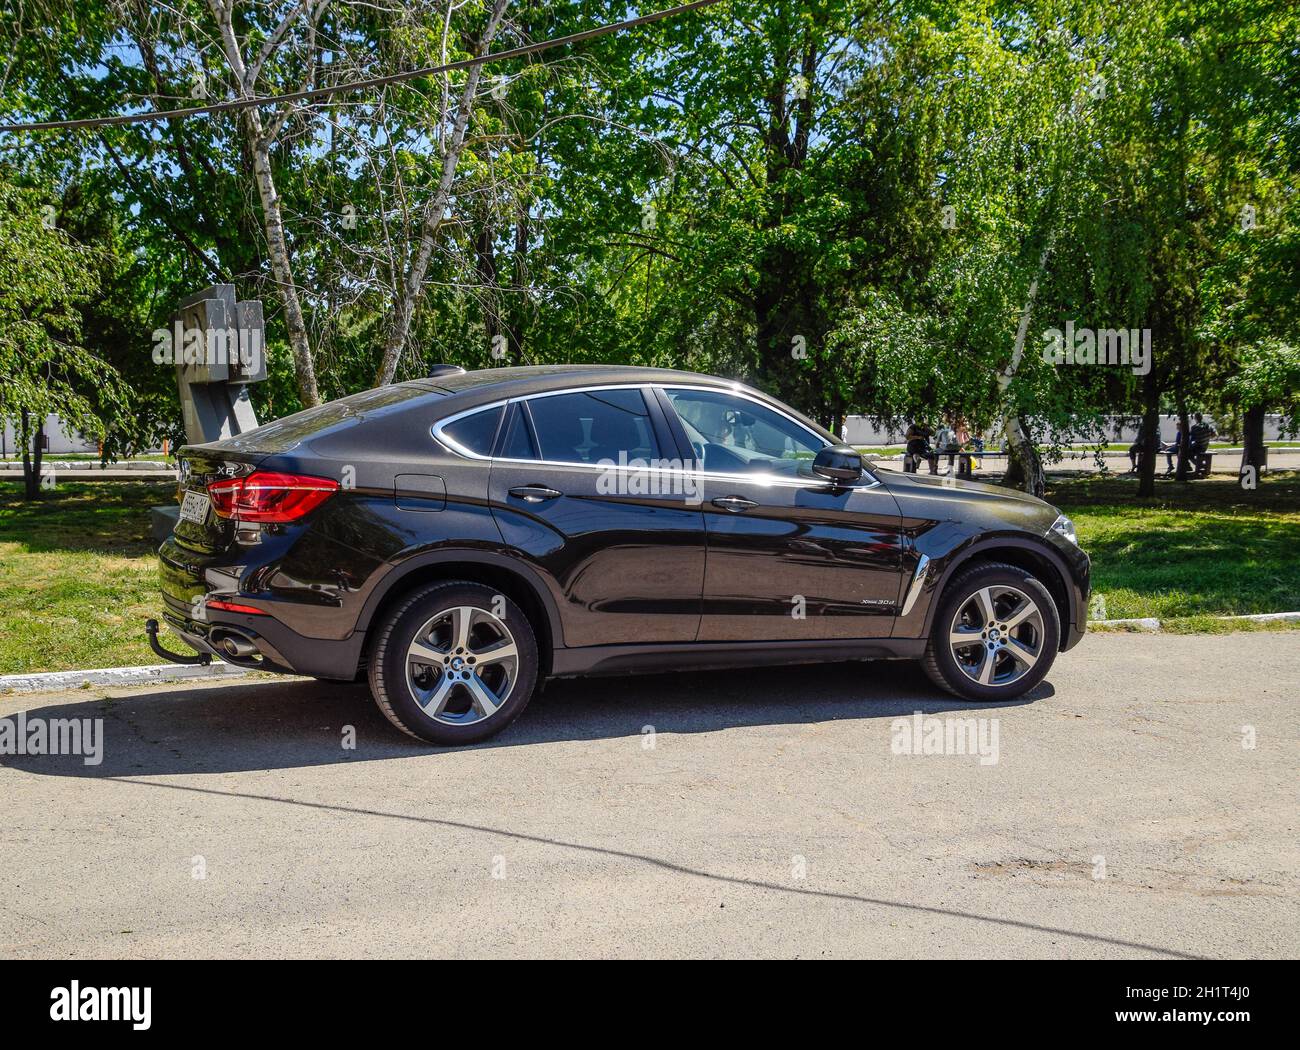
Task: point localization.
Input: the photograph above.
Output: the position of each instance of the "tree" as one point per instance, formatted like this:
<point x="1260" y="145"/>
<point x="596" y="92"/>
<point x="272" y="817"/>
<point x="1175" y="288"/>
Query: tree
<point x="433" y="214"/>
<point x="872" y="207"/>
<point x="44" y="279"/>
<point x="246" y="60"/>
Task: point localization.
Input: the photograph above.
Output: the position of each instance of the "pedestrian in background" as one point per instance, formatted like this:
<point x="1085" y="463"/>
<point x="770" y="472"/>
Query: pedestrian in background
<point x="918" y="448"/>
<point x="945" y="444"/>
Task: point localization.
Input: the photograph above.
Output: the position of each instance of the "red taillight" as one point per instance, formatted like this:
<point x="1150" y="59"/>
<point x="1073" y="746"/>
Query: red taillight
<point x="270" y="496"/>
<point x="235" y="607"/>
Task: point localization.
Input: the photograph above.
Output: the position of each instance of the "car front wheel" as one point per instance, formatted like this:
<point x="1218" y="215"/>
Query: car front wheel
<point x="995" y="634"/>
<point x="454" y="663"/>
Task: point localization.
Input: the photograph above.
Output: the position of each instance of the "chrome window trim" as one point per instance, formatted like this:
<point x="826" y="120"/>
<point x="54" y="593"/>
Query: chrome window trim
<point x="759" y="479"/>
<point x="746" y="396"/>
<point x="437" y="428"/>
<point x="752" y="400"/>
<point x="457" y="447"/>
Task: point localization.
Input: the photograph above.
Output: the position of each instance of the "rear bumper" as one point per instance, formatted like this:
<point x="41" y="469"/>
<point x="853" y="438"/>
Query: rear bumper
<point x="211" y="637"/>
<point x="275" y="647"/>
<point x="189" y="580"/>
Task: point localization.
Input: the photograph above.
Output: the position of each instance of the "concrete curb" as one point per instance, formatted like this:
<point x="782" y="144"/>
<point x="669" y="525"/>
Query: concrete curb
<point x="1151" y="624"/>
<point x="1146" y="623"/>
<point x="47" y="465"/>
<point x="115" y="676"/>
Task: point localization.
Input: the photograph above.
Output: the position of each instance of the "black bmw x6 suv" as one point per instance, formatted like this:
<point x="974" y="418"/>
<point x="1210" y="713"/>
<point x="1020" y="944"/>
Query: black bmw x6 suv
<point x="462" y="538"/>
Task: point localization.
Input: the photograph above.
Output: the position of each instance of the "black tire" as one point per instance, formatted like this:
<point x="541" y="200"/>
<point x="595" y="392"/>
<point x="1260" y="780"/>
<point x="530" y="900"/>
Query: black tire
<point x="962" y="594"/>
<point x="392" y="687"/>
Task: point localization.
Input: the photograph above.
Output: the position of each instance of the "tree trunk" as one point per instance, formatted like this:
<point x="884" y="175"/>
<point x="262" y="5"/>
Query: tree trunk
<point x="1184" y="450"/>
<point x="1150" y="435"/>
<point x="517" y="309"/>
<point x="784" y="278"/>
<point x="33" y="450"/>
<point x="485" y="267"/>
<point x="304" y="366"/>
<point x="1252" y="454"/>
<point x="836" y="424"/>
<point x="412" y="287"/>
<point x="1024" y="465"/>
<point x="258" y="143"/>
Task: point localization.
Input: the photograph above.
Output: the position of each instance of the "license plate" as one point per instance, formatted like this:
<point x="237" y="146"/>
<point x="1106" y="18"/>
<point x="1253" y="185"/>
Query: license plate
<point x="195" y="507"/>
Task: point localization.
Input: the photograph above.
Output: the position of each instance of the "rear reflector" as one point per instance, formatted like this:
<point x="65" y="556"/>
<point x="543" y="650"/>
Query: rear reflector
<point x="269" y="496"/>
<point x="217" y="603"/>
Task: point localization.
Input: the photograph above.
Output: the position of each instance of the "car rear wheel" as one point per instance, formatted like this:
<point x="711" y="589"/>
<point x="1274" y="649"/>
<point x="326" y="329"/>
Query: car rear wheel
<point x="995" y="634"/>
<point x="454" y="663"/>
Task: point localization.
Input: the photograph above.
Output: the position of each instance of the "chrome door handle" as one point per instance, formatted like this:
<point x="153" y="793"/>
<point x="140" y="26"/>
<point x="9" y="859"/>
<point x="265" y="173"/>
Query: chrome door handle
<point x="735" y="504"/>
<point x="535" y="493"/>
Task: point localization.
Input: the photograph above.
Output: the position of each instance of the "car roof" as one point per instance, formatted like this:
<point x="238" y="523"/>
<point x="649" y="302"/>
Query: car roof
<point x="529" y="379"/>
<point x="452" y="393"/>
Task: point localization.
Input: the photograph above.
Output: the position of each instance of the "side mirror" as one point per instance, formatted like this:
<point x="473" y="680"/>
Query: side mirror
<point x="838" y="463"/>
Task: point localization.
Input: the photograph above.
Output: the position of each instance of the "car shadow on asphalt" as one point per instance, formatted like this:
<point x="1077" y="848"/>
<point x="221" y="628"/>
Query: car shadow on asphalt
<point x="268" y="725"/>
<point x="294" y="724"/>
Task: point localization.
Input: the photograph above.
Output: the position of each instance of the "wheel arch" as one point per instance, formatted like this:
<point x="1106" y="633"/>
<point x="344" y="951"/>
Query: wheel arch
<point x="1036" y="558"/>
<point x="517" y="582"/>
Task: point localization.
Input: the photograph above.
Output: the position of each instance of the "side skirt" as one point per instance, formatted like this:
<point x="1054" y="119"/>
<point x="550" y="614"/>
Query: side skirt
<point x="705" y="656"/>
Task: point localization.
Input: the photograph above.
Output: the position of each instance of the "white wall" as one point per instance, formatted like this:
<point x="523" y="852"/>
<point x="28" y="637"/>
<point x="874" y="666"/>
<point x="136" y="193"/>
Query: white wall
<point x="60" y="440"/>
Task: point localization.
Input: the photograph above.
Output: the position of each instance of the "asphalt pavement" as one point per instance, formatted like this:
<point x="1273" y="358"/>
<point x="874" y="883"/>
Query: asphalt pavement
<point x="1142" y="802"/>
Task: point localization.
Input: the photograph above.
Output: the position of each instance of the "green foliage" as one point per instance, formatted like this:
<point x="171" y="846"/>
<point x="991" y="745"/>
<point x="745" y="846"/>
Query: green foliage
<point x="45" y="279"/>
<point x="845" y="202"/>
<point x="1269" y="376"/>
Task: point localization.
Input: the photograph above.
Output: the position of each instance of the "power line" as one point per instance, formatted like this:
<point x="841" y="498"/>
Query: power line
<point x="359" y="85"/>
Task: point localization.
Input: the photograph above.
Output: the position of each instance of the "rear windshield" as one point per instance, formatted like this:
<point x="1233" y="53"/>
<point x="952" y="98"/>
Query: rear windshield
<point x="283" y="434"/>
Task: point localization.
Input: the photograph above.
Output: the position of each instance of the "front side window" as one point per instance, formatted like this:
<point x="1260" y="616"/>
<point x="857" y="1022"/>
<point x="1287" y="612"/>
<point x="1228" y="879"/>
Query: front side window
<point x="594" y="426"/>
<point x="733" y="435"/>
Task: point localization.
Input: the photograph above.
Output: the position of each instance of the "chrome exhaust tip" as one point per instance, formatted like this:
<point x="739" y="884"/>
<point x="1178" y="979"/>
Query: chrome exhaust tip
<point x="239" y="648"/>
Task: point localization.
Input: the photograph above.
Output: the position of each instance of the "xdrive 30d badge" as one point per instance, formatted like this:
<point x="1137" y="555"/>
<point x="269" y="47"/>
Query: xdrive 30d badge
<point x="460" y="539"/>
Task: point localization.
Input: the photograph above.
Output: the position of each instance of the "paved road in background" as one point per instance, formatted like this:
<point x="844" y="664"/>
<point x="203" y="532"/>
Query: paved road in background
<point x="1223" y="465"/>
<point x="766" y="813"/>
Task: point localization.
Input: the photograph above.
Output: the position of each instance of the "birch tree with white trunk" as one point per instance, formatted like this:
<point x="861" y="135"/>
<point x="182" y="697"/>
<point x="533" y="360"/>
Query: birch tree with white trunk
<point x="299" y="24"/>
<point x="409" y="291"/>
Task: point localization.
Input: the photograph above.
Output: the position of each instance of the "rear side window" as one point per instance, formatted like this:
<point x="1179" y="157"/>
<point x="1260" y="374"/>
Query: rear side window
<point x="474" y="433"/>
<point x="518" y="443"/>
<point x="594" y="426"/>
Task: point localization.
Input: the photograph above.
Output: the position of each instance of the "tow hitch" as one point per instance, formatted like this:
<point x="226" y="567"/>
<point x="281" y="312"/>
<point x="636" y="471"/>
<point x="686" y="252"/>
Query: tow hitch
<point x="151" y="629"/>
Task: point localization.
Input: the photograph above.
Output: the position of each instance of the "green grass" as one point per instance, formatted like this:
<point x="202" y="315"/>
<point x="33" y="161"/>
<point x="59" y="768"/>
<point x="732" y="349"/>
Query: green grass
<point x="78" y="571"/>
<point x="1209" y="625"/>
<point x="1196" y="550"/>
<point x="1198" y="625"/>
<point x="78" y="575"/>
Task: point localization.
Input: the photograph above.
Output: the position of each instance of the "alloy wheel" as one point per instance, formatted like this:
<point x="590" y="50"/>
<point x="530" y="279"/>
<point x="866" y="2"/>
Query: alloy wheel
<point x="996" y="635"/>
<point x="461" y="665"/>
